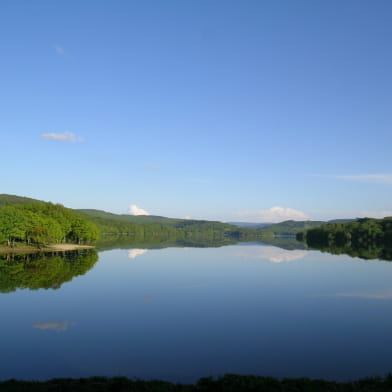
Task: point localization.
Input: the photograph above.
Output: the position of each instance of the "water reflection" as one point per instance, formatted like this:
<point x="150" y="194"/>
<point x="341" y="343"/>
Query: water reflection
<point x="270" y="253"/>
<point x="370" y="252"/>
<point x="285" y="242"/>
<point x="127" y="242"/>
<point x="58" y="326"/>
<point x="133" y="253"/>
<point x="48" y="271"/>
<point x="180" y="315"/>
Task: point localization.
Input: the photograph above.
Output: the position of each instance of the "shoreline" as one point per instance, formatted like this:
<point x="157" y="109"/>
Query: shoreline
<point x="49" y="248"/>
<point x="229" y="382"/>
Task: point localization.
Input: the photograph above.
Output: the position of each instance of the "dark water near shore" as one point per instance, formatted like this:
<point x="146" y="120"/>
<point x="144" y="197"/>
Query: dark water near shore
<point x="182" y="313"/>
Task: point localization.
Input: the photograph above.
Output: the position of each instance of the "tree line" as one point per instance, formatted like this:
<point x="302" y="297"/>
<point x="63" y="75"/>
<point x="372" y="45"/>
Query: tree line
<point x="175" y="229"/>
<point x="42" y="223"/>
<point x="366" y="238"/>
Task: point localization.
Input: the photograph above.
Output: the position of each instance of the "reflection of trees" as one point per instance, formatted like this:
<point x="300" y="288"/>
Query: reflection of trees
<point x="128" y="241"/>
<point x="366" y="238"/>
<point x="368" y="253"/>
<point x="47" y="271"/>
<point x="289" y="243"/>
<point x="270" y="253"/>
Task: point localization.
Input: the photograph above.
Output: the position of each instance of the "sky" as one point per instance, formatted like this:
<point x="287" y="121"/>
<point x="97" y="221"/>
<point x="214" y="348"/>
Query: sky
<point x="256" y="111"/>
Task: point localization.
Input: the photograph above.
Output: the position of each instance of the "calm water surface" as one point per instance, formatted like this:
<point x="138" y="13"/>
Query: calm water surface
<point x="182" y="313"/>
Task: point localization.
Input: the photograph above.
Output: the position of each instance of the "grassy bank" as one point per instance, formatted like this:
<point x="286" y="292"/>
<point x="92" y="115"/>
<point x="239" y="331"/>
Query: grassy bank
<point x="227" y="383"/>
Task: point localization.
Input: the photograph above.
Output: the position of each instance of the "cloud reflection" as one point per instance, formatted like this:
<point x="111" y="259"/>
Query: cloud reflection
<point x="270" y="253"/>
<point x="58" y="326"/>
<point x="133" y="253"/>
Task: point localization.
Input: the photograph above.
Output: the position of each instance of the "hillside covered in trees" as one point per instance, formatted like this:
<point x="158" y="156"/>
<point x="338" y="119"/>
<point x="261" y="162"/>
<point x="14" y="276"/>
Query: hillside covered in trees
<point x="147" y="225"/>
<point x="366" y="238"/>
<point x="39" y="223"/>
<point x="33" y="222"/>
<point x="289" y="227"/>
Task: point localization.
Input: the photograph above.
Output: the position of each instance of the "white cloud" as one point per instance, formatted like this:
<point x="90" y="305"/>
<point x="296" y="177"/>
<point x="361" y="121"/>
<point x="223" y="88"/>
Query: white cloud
<point x="135" y="210"/>
<point x="62" y="137"/>
<point x="273" y="215"/>
<point x="59" y="50"/>
<point x="270" y="253"/>
<point x="133" y="253"/>
<point x="58" y="326"/>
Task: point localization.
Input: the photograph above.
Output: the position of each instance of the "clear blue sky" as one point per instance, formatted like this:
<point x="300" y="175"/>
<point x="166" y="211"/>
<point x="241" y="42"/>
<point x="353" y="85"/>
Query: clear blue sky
<point x="207" y="109"/>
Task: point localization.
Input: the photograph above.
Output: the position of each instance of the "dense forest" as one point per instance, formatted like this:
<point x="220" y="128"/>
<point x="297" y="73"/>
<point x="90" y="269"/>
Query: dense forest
<point x="150" y="226"/>
<point x="31" y="222"/>
<point x="42" y="223"/>
<point x="367" y="238"/>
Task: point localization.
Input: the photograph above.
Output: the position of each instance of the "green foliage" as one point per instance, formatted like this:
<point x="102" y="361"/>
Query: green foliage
<point x="13" y="224"/>
<point x="146" y="227"/>
<point x="154" y="221"/>
<point x="83" y="230"/>
<point x="13" y="199"/>
<point x="42" y="223"/>
<point x="366" y="238"/>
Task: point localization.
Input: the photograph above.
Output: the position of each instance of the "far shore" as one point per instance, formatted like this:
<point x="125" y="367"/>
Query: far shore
<point x="48" y="248"/>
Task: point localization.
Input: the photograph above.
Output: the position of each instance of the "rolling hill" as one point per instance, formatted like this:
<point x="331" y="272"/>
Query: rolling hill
<point x="123" y="223"/>
<point x="290" y="227"/>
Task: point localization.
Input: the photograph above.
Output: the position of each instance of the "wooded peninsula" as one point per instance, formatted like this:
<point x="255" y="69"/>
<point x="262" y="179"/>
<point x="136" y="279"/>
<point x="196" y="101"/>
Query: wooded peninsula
<point x="28" y="223"/>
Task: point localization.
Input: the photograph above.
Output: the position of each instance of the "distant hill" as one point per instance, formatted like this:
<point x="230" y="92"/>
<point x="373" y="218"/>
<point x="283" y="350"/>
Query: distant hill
<point x="147" y="219"/>
<point x="69" y="222"/>
<point x="341" y="220"/>
<point x="106" y="220"/>
<point x="92" y="213"/>
<point x="152" y="220"/>
<point x="13" y="199"/>
<point x="250" y="225"/>
<point x="287" y="227"/>
<point x="290" y="227"/>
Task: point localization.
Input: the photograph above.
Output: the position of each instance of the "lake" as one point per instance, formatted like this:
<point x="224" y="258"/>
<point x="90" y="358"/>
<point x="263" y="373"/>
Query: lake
<point x="181" y="313"/>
